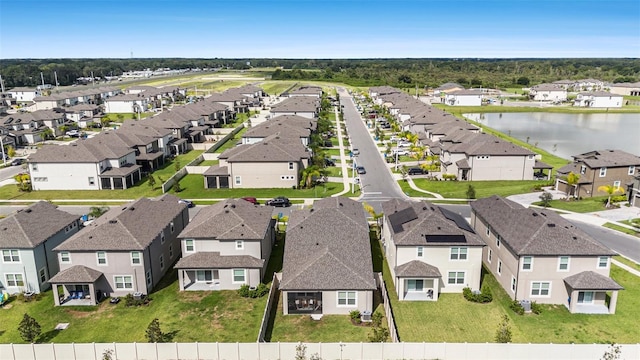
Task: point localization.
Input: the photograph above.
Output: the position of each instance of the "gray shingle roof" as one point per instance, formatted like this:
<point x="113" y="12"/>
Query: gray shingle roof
<point x="275" y="148"/>
<point x="32" y="226"/>
<point x="535" y="232"/>
<point x="417" y="268"/>
<point x="82" y="151"/>
<point x="232" y="219"/>
<point x="591" y="280"/>
<point x="213" y="260"/>
<point x="297" y="103"/>
<point x="77" y="274"/>
<point x="430" y="221"/>
<point x="328" y="248"/>
<point x="607" y="158"/>
<point x="131" y="227"/>
<point x="279" y="127"/>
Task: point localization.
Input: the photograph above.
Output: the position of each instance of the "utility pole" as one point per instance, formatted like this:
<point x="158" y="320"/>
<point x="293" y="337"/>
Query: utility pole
<point x="1" y="83"/>
<point x="55" y="75"/>
<point x="42" y="78"/>
<point x="93" y="80"/>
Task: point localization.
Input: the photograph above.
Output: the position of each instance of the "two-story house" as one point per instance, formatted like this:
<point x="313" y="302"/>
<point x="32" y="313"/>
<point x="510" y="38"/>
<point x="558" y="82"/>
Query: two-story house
<point x="225" y="246"/>
<point x="430" y="250"/>
<point x="327" y="265"/>
<point x="598" y="99"/>
<point x="27" y="239"/>
<point x="127" y="250"/>
<point x="305" y="106"/>
<point x="464" y="98"/>
<point x="599" y="168"/>
<point x="548" y="92"/>
<point x="24" y="94"/>
<point x="536" y="255"/>
<point x="148" y="154"/>
<point x="264" y="130"/>
<point x="126" y="103"/>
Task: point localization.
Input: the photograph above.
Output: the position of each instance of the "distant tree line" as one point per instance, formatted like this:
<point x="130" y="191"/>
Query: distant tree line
<point x="403" y="73"/>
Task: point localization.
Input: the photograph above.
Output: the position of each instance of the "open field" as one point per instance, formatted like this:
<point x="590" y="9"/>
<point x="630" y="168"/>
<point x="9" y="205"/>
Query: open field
<point x="585" y="205"/>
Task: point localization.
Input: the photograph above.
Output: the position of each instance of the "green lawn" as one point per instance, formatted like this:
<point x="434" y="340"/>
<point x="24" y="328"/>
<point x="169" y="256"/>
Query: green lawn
<point x="120" y="117"/>
<point x="169" y="167"/>
<point x="209" y="163"/>
<point x="193" y="188"/>
<point x="621" y="229"/>
<point x="274" y="87"/>
<point x="231" y="142"/>
<point x="458" y="189"/>
<point x="454" y="319"/>
<point x="336" y="171"/>
<point x="585" y="205"/>
<point x="215" y="316"/>
<point x="627" y="262"/>
<point x="406" y="188"/>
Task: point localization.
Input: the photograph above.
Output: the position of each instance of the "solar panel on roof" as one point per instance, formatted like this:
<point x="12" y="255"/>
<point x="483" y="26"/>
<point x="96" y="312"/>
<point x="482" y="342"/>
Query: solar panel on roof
<point x="402" y="217"/>
<point x="457" y="218"/>
<point x="445" y="238"/>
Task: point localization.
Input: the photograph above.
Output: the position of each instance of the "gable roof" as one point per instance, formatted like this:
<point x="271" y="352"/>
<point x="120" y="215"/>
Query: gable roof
<point x="428" y="225"/>
<point x="213" y="260"/>
<point x="232" y="219"/>
<point x="30" y="227"/>
<point x="528" y="231"/>
<point x="131" y="227"/>
<point x="328" y="248"/>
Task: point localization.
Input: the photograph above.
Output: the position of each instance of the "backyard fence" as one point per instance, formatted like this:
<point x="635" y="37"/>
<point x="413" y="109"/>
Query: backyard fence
<point x="226" y="138"/>
<point x="286" y="351"/>
<point x="271" y="302"/>
<point x="388" y="312"/>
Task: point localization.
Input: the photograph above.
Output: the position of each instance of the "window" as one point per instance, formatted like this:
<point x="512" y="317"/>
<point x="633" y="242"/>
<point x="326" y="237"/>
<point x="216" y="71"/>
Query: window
<point x="530" y="157"/>
<point x="603" y="262"/>
<point x="189" y="245"/>
<point x="603" y="171"/>
<point x="540" y="288"/>
<point x="583" y="169"/>
<point x="290" y="166"/>
<point x="43" y="275"/>
<point x="135" y="258"/>
<point x="9" y="256"/>
<point x="498" y="240"/>
<point x="149" y="279"/>
<point x="499" y="267"/>
<point x="173" y="228"/>
<point x="238" y="276"/>
<point x="632" y="170"/>
<point x="162" y="237"/>
<point x="14" y="280"/>
<point x="102" y="257"/>
<point x="170" y="251"/>
<point x="456" y="277"/>
<point x="34" y="167"/>
<point x="489" y="255"/>
<point x="563" y="263"/>
<point x="238" y="180"/>
<point x="65" y="257"/>
<point x="488" y="231"/>
<point x="161" y="262"/>
<point x="204" y="275"/>
<point x="585" y="297"/>
<point x="70" y="227"/>
<point x="459" y="253"/>
<point x="239" y="244"/>
<point x="513" y="284"/>
<point x="415" y="285"/>
<point x="420" y="251"/>
<point x="616" y="184"/>
<point x="124" y="281"/>
<point x="527" y="263"/>
<point x="347" y="298"/>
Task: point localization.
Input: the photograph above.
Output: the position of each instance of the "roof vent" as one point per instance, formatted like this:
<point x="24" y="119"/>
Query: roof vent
<point x="132" y="208"/>
<point x="90" y="237"/>
<point x="575" y="237"/>
<point x="226" y="211"/>
<point x="438" y="227"/>
<point x="424" y="208"/>
<point x="311" y="210"/>
<point x="124" y="208"/>
<point x="535" y="214"/>
<point x="113" y="221"/>
<point x="432" y="208"/>
<point x="233" y="206"/>
<point x="27" y="210"/>
<point x="551" y="225"/>
<point x="340" y="204"/>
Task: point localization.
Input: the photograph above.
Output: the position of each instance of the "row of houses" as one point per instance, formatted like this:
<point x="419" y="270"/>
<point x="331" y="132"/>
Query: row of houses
<point x="463" y="149"/>
<point x="327" y="264"/>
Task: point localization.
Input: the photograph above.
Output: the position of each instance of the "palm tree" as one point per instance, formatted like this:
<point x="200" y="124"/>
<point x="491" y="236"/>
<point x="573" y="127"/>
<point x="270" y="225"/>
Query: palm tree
<point x="610" y="190"/>
<point x="572" y="181"/>
<point x="307" y="175"/>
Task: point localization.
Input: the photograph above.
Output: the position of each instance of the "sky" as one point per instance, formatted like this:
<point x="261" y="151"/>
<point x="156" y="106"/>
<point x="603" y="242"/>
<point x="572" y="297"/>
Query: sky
<point x="319" y="29"/>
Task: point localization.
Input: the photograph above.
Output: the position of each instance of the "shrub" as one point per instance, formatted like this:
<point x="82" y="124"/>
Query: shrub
<point x="536" y="308"/>
<point x="619" y="198"/>
<point x="129" y="300"/>
<point x="484" y="296"/>
<point x="516" y="307"/>
<point x="244" y="291"/>
<point x="260" y="291"/>
<point x="355" y="316"/>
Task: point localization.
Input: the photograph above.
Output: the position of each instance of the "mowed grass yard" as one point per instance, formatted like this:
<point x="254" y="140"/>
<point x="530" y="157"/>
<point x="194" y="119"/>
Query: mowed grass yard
<point x="215" y="316"/>
<point x="458" y="189"/>
<point x="454" y="319"/>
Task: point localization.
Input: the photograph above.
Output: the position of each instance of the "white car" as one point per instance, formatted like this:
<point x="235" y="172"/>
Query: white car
<point x="73" y="133"/>
<point x="404" y="144"/>
<point x="400" y="152"/>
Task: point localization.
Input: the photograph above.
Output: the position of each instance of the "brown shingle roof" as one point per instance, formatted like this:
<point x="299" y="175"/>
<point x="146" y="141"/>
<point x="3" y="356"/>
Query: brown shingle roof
<point x="77" y="274"/>
<point x="591" y="280"/>
<point x="275" y="148"/>
<point x="213" y="260"/>
<point x="32" y="226"/>
<point x="417" y="268"/>
<point x="607" y="158"/>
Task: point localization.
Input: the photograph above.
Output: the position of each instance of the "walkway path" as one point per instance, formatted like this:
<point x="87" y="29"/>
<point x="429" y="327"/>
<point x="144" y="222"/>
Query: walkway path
<point x="343" y="158"/>
<point x="626" y="267"/>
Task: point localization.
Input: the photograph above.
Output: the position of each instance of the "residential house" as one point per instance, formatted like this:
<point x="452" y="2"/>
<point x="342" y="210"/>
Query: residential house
<point x="306" y="91"/>
<point x="260" y="132"/>
<point x="447" y="88"/>
<point x="327" y="266"/>
<point x="565" y="84"/>
<point x="536" y="255"/>
<point x="167" y="143"/>
<point x="625" y="89"/>
<point x="52" y="101"/>
<point x="598" y="99"/>
<point x="27" y="239"/>
<point x="126" y="103"/>
<point x="225" y="246"/>
<point x="599" y="168"/>
<point x="633" y="191"/>
<point x="237" y="103"/>
<point x="23" y="128"/>
<point x="464" y="98"/>
<point x="305" y="106"/>
<point x="177" y="124"/>
<point x="24" y="94"/>
<point x="275" y="162"/>
<point x="149" y="156"/>
<point x="86" y="164"/>
<point x="548" y="92"/>
<point x="83" y="115"/>
<point x="430" y="250"/>
<point x="128" y="250"/>
<point x="588" y="85"/>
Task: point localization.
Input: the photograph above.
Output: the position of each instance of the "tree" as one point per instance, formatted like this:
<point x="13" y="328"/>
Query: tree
<point x="572" y="181"/>
<point x="47" y="134"/>
<point x="307" y="175"/>
<point x="503" y="334"/>
<point x="152" y="181"/>
<point x="176" y="165"/>
<point x="29" y="328"/>
<point x="379" y="333"/>
<point x="546" y="198"/>
<point x="63" y="130"/>
<point x="154" y="333"/>
<point x="471" y="192"/>
<point x="523" y="80"/>
<point x="610" y="190"/>
<point x="24" y="181"/>
<point x="97" y="211"/>
<point x="176" y="186"/>
<point x="104" y="121"/>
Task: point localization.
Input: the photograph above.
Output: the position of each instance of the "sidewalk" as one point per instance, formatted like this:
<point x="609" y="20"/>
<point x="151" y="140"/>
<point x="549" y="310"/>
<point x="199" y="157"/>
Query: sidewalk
<point x="343" y="158"/>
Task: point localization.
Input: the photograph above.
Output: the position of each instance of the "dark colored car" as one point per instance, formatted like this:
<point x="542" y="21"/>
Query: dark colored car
<point x="279" y="201"/>
<point x="417" y="171"/>
<point x="17" y="162"/>
<point x="329" y="162"/>
<point x="189" y="203"/>
<point x="251" y="200"/>
<point x="361" y="170"/>
<point x="328" y="143"/>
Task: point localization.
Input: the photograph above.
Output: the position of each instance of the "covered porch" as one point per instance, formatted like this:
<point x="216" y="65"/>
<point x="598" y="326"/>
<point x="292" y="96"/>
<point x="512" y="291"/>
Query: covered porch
<point x="589" y="293"/>
<point x="539" y="171"/>
<point x="151" y="161"/>
<point x="216" y="177"/>
<point x="178" y="146"/>
<point x="304" y="302"/>
<point x="417" y="281"/>
<point x="76" y="285"/>
<point x="120" y="178"/>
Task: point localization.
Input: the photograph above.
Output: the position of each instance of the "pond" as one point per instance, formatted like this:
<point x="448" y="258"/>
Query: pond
<point x="565" y="135"/>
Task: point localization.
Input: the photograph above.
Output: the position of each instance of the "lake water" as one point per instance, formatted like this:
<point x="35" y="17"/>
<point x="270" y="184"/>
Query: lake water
<point x="566" y="135"/>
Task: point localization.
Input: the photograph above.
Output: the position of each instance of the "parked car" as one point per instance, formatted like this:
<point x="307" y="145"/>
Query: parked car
<point x="395" y="138"/>
<point x="329" y="162"/>
<point x="385" y="125"/>
<point x="279" y="201"/>
<point x="400" y="152"/>
<point x="328" y="143"/>
<point x="73" y="133"/>
<point x="404" y="144"/>
<point x="361" y="170"/>
<point x="189" y="203"/>
<point x="6" y="157"/>
<point x="17" y="162"/>
<point x="251" y="200"/>
<point x="417" y="171"/>
<point x="355" y="152"/>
